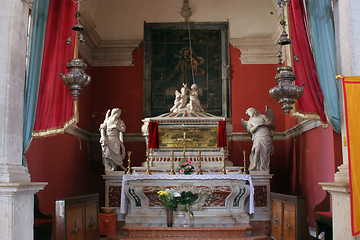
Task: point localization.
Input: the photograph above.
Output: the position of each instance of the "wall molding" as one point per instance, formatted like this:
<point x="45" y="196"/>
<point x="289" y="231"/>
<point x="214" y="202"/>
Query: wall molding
<point x="256" y="50"/>
<point x="98" y="52"/>
<point x="302" y="127"/>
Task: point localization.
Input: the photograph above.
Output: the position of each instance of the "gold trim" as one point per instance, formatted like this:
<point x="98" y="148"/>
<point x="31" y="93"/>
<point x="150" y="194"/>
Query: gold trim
<point x="307" y="116"/>
<point x="54" y="131"/>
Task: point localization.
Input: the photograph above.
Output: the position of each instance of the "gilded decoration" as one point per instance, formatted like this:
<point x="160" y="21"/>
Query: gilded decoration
<point x="196" y="137"/>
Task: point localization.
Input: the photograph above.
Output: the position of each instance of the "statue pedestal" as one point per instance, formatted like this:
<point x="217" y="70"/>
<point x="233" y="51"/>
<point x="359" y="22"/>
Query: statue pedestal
<point x="261" y="219"/>
<point x="113" y="187"/>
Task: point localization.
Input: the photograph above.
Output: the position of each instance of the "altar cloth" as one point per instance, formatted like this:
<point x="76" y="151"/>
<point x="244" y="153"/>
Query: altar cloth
<point x="127" y="178"/>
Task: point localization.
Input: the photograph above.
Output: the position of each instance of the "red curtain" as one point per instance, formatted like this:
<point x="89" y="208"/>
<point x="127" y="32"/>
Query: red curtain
<point x="55" y="108"/>
<point x="153" y="135"/>
<point x="221" y="135"/>
<point x="312" y="102"/>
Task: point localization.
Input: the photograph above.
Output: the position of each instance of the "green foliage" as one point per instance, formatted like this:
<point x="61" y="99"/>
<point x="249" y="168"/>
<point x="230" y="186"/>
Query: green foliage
<point x="170" y="199"/>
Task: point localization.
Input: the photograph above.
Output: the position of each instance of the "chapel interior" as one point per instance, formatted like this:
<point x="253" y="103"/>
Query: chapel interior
<point x="306" y="152"/>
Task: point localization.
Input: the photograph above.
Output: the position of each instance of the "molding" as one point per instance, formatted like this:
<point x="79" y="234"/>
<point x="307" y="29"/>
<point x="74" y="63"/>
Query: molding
<point x="99" y="52"/>
<point x="301" y="127"/>
<point x="256" y="50"/>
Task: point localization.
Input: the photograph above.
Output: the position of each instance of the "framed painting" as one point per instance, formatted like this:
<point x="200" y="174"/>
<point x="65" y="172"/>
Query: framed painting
<point x="186" y="53"/>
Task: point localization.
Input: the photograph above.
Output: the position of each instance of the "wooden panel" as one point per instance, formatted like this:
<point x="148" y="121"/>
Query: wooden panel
<point x="276" y="216"/>
<point x="289" y="221"/>
<point x="92" y="219"/>
<point x="75" y="222"/>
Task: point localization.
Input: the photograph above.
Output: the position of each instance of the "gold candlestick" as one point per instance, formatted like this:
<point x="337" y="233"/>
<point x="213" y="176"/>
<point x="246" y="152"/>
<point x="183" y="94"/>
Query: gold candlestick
<point x="148" y="163"/>
<point x="244" y="171"/>
<point x="223" y="171"/>
<point x="128" y="172"/>
<point x="199" y="172"/>
<point x="172" y="172"/>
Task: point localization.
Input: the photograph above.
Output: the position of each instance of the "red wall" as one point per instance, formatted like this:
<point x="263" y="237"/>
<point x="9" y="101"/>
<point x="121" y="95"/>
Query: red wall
<point x="73" y="167"/>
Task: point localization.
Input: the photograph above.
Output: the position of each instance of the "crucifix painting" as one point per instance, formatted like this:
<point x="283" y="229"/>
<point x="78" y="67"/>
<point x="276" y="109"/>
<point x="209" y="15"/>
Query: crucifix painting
<point x="178" y="54"/>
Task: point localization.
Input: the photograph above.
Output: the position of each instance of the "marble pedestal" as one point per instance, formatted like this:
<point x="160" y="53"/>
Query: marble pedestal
<point x="261" y="219"/>
<point x="113" y="185"/>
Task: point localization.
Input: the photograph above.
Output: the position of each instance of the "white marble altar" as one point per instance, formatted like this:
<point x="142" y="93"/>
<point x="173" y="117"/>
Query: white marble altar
<point x="222" y="198"/>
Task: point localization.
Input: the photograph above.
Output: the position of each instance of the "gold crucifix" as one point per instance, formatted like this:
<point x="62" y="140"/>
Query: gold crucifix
<point x="184" y="140"/>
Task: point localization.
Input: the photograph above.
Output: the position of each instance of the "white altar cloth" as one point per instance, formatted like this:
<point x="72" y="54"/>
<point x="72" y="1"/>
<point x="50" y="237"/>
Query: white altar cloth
<point x="127" y="178"/>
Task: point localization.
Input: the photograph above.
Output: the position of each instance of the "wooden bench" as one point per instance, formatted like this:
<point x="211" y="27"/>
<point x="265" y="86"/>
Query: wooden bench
<point x="323" y="217"/>
<point x="76" y="218"/>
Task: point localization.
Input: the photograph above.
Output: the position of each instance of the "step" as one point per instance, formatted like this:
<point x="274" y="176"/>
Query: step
<point x="200" y="231"/>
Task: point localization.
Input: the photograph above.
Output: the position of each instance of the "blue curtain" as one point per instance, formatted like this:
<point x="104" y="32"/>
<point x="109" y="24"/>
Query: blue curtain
<point x="39" y="13"/>
<point x="323" y="41"/>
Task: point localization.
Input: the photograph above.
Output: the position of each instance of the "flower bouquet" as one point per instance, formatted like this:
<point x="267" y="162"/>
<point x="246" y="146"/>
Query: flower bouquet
<point x="186" y="200"/>
<point x="170" y="200"/>
<point x="185" y="166"/>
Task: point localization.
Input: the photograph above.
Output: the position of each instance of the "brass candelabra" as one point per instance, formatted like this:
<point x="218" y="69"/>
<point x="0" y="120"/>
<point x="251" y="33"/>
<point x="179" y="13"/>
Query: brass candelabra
<point x="223" y="171"/>
<point x="172" y="172"/>
<point x="148" y="172"/>
<point x="244" y="171"/>
<point x="199" y="172"/>
<point x="128" y="172"/>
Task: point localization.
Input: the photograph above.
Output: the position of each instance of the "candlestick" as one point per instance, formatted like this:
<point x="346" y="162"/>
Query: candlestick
<point x="128" y="167"/>
<point x="172" y="172"/>
<point x="244" y="171"/>
<point x="148" y="163"/>
<point x="223" y="171"/>
<point x="199" y="172"/>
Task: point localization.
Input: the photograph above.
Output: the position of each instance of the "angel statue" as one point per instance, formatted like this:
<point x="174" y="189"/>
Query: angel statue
<point x="261" y="127"/>
<point x="111" y="140"/>
<point x="194" y="103"/>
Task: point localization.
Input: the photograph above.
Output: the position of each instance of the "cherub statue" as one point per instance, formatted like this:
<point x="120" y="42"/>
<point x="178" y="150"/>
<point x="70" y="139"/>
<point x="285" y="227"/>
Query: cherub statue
<point x="177" y="101"/>
<point x="194" y="103"/>
<point x="111" y="140"/>
<point x="261" y="127"/>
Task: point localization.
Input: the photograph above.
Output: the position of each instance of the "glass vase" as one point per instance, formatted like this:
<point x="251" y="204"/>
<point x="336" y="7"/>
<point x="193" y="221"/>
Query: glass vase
<point x="187" y="219"/>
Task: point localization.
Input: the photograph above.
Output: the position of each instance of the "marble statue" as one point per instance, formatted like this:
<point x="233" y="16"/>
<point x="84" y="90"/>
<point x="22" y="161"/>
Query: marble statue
<point x="111" y="140"/>
<point x="181" y="104"/>
<point x="261" y="127"/>
<point x="194" y="103"/>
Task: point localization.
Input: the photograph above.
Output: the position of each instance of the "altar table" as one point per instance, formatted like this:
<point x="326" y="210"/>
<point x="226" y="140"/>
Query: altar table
<point x="201" y="179"/>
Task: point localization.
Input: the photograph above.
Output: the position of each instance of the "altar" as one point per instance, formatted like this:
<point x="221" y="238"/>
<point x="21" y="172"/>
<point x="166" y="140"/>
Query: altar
<point x="222" y="198"/>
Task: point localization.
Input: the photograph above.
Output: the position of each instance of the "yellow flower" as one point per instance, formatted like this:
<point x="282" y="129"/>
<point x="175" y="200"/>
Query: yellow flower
<point x="162" y="193"/>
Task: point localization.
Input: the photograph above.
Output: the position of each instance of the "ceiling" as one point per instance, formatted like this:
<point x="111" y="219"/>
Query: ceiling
<point x="118" y="24"/>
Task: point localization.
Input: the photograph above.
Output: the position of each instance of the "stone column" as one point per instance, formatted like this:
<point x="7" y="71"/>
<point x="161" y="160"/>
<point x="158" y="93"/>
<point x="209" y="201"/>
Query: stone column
<point x="347" y="16"/>
<point x="16" y="190"/>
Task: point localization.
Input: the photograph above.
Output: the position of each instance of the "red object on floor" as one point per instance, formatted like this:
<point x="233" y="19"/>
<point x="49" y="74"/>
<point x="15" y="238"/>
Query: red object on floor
<point x="107" y="223"/>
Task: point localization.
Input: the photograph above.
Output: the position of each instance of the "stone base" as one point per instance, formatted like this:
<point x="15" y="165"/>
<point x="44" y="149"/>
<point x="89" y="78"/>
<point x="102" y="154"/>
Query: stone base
<point x="262" y="226"/>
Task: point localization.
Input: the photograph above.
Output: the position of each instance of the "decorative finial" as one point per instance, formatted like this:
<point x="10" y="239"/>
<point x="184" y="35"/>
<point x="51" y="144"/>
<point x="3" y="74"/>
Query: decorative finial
<point x="186" y="10"/>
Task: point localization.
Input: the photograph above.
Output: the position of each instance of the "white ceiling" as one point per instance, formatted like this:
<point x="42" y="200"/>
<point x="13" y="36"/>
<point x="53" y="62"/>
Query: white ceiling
<point x="124" y="19"/>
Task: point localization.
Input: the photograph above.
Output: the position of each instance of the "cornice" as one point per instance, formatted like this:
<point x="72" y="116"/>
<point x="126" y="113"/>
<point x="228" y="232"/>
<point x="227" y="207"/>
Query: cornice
<point x="256" y="50"/>
<point x="303" y="126"/>
<point x="98" y="52"/>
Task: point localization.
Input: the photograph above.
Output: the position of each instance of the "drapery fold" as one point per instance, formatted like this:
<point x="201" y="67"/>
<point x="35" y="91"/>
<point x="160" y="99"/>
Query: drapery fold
<point x="351" y="92"/>
<point x="153" y="135"/>
<point x="311" y="104"/>
<point x="39" y="14"/>
<point x="323" y="41"/>
<point x="221" y="135"/>
<point x="56" y="110"/>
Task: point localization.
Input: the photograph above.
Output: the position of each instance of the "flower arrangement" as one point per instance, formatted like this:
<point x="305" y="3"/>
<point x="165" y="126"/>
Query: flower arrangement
<point x="185" y="166"/>
<point x="170" y="198"/>
<point x="186" y="200"/>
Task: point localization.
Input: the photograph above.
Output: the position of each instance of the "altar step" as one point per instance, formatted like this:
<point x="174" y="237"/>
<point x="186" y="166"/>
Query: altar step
<point x="200" y="231"/>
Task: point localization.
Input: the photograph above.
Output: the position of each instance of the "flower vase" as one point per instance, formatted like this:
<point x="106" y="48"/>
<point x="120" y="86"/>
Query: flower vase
<point x="187" y="219"/>
<point x="169" y="217"/>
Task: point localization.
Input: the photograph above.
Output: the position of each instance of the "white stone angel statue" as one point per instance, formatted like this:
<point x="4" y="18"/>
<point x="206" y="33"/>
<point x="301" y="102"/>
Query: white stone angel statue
<point x="261" y="127"/>
<point x="111" y="140"/>
<point x="194" y="103"/>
